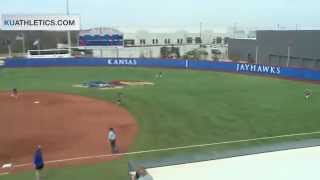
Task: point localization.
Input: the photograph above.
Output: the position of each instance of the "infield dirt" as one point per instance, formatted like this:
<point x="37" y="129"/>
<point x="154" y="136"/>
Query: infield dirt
<point x="66" y="126"/>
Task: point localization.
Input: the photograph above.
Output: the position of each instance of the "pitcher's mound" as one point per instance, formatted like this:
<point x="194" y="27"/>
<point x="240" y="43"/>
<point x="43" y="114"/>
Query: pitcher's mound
<point x="66" y="126"/>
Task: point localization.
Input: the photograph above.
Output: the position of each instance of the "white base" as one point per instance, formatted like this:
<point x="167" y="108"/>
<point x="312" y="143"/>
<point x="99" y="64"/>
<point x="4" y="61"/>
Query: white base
<point x="9" y="165"/>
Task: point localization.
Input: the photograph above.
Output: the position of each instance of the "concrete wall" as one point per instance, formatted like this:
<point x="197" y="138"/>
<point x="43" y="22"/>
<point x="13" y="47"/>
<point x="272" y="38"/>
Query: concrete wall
<point x="304" y="47"/>
<point x="242" y="49"/>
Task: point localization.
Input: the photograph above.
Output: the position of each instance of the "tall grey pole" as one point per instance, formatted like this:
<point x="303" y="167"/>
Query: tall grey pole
<point x="234" y="30"/>
<point x="200" y="34"/>
<point x="39" y="47"/>
<point x="23" y="44"/>
<point x="257" y="54"/>
<point x="9" y="50"/>
<point x="117" y="52"/>
<point x="289" y="52"/>
<point x="68" y="32"/>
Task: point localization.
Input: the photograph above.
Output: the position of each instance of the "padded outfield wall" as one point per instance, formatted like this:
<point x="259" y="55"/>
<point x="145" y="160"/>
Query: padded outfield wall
<point x="257" y="69"/>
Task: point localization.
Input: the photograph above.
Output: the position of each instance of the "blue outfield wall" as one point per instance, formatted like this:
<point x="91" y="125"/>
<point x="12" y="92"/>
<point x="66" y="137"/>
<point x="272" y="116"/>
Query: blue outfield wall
<point x="47" y="62"/>
<point x="276" y="71"/>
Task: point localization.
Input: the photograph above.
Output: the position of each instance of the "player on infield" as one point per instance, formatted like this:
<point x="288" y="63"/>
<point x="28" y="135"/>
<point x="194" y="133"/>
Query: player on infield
<point x="14" y="92"/>
<point x="119" y="98"/>
<point x="38" y="162"/>
<point x="112" y="137"/>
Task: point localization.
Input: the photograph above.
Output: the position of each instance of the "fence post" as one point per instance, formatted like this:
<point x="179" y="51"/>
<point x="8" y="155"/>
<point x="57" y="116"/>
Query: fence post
<point x="187" y="64"/>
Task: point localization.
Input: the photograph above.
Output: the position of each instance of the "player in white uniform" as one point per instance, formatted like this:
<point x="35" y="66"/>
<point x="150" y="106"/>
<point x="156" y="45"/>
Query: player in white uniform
<point x="112" y="137"/>
<point x="307" y="93"/>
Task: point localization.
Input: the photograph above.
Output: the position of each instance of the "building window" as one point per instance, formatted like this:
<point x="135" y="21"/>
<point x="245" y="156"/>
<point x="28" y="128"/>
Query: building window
<point x="189" y="40"/>
<point x="155" y="41"/>
<point x="142" y="41"/>
<point x="129" y="42"/>
<point x="167" y="41"/>
<point x="198" y="40"/>
<point x="179" y="41"/>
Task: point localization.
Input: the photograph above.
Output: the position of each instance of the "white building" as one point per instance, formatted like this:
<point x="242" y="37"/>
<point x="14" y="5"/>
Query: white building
<point x="148" y="44"/>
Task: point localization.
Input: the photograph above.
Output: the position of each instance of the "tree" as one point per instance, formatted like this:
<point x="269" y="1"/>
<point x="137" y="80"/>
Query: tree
<point x="168" y="52"/>
<point x="219" y="40"/>
<point x="195" y="54"/>
<point x="215" y="54"/>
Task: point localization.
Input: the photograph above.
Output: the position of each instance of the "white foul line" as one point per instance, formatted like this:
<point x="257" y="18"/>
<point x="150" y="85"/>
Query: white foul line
<point x="5" y="173"/>
<point x="168" y="149"/>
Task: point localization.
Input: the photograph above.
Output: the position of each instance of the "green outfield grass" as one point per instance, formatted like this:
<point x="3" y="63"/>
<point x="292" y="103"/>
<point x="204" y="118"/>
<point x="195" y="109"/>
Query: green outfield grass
<point x="182" y="108"/>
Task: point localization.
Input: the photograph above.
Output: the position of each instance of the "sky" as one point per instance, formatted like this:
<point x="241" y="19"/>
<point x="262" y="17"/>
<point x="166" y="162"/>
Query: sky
<point x="179" y="14"/>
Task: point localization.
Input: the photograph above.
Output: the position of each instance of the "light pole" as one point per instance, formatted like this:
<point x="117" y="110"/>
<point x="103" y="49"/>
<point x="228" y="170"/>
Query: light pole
<point x="289" y="52"/>
<point x="21" y="37"/>
<point x="200" y="34"/>
<point x="23" y="44"/>
<point x="9" y="48"/>
<point x="257" y="54"/>
<point x="68" y="32"/>
<point x="290" y="43"/>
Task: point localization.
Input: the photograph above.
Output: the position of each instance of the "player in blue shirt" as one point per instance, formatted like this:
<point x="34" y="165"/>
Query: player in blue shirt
<point x="38" y="162"/>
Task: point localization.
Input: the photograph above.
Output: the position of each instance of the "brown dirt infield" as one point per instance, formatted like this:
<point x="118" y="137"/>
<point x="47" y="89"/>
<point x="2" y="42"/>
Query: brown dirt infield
<point x="66" y="126"/>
